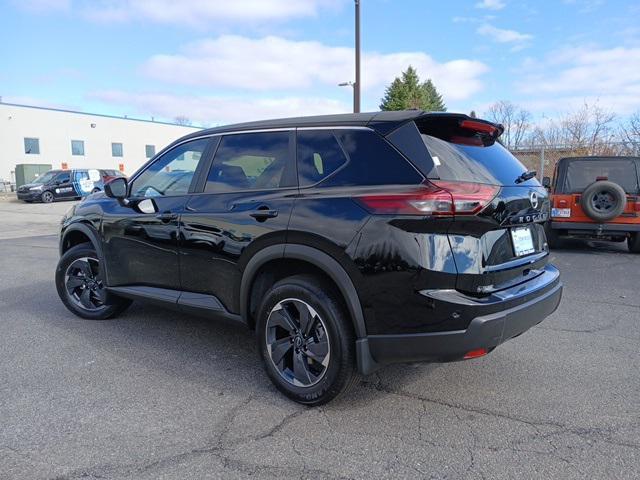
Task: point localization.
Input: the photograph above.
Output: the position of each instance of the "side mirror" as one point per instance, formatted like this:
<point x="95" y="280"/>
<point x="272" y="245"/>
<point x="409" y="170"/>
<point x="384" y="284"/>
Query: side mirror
<point x="116" y="188"/>
<point x="546" y="182"/>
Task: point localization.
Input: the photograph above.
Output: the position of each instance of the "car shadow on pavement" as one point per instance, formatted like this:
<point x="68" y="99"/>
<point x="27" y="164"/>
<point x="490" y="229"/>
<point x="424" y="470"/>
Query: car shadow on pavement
<point x="191" y="349"/>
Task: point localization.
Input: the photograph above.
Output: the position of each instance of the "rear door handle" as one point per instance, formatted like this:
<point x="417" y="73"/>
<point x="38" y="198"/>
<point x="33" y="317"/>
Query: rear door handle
<point x="262" y="213"/>
<point x="166" y="217"/>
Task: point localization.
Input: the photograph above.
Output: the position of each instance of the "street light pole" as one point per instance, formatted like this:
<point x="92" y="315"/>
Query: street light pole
<point x="356" y="86"/>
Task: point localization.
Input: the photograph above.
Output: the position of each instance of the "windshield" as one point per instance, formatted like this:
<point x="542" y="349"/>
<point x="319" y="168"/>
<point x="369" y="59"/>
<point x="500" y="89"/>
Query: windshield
<point x="582" y="173"/>
<point x="46" y="177"/>
<point x="491" y="164"/>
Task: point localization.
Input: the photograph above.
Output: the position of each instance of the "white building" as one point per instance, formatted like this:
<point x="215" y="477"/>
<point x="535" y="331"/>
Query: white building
<point x="67" y="139"/>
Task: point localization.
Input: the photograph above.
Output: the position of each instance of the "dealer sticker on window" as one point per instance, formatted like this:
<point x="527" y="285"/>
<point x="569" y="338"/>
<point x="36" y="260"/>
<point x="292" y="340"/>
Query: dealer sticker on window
<point x="522" y="241"/>
<point x="561" y="212"/>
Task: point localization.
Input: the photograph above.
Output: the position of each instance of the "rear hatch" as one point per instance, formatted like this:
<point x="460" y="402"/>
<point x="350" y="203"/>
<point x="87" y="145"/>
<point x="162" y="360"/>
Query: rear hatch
<point x="496" y="237"/>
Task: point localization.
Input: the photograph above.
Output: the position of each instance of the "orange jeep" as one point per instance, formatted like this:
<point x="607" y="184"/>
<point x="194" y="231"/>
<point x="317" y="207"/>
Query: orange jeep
<point x="596" y="198"/>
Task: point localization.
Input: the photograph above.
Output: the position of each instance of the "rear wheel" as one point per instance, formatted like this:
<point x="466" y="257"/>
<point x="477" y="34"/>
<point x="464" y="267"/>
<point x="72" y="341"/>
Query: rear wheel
<point x="80" y="285"/>
<point x="46" y="197"/>
<point x="306" y="340"/>
<point x="633" y="243"/>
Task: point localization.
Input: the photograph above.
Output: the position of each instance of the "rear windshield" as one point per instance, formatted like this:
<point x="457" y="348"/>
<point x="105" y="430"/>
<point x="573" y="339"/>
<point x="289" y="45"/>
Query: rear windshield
<point x="581" y="173"/>
<point x="491" y="164"/>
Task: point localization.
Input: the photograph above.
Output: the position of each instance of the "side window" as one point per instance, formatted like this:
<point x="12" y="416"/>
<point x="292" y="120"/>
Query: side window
<point x="63" y="177"/>
<point x="249" y="161"/>
<point x="172" y="173"/>
<point x="319" y="155"/>
<point x="372" y="161"/>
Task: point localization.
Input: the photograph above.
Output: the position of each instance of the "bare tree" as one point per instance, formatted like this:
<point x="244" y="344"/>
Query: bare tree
<point x="182" y="120"/>
<point x="630" y="134"/>
<point x="516" y="122"/>
<point x="587" y="131"/>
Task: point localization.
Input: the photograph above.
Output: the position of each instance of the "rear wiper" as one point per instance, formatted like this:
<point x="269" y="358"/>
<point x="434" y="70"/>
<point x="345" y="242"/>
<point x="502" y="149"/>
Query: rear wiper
<point x="528" y="175"/>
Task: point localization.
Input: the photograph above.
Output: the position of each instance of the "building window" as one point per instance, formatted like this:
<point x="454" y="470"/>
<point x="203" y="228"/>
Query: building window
<point x="116" y="149"/>
<point x="32" y="146"/>
<point x="150" y="150"/>
<point x="77" y="147"/>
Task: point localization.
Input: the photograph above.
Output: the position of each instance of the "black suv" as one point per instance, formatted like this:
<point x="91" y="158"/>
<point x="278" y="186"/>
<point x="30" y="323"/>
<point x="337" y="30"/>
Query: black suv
<point x="346" y="242"/>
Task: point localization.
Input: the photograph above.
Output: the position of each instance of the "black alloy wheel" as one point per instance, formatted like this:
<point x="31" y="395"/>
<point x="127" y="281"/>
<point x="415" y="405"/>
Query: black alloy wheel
<point x="84" y="286"/>
<point x="81" y="287"/>
<point x="297" y="342"/>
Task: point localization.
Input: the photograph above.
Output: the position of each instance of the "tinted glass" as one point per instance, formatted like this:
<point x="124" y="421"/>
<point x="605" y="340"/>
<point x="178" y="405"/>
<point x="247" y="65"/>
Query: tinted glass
<point x="371" y="161"/>
<point x="172" y="173"/>
<point x="46" y="177"/>
<point x="116" y="149"/>
<point x="319" y="155"/>
<point x="492" y="164"/>
<point x="582" y="173"/>
<point x="77" y="147"/>
<point x="63" y="177"/>
<point x="251" y="161"/>
<point x="149" y="150"/>
<point x="31" y="146"/>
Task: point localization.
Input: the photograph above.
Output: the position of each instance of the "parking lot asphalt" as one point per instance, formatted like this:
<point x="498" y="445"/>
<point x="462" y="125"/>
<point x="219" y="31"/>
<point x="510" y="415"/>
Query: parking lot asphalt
<point x="157" y="394"/>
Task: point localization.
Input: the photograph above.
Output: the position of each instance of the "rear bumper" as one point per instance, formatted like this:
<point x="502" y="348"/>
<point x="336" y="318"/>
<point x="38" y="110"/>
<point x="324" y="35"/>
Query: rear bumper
<point x="486" y="330"/>
<point x="596" y="228"/>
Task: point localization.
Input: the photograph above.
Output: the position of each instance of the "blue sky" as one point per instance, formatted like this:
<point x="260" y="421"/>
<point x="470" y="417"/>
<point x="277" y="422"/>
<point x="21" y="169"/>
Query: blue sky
<point x="226" y="61"/>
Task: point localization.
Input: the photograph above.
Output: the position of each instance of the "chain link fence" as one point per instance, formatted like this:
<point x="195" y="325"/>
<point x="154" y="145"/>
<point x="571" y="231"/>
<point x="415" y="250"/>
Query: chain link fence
<point x="543" y="158"/>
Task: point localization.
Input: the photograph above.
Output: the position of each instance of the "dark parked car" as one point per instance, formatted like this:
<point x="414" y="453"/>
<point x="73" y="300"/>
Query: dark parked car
<point x="346" y="242"/>
<point x="595" y="198"/>
<point x="65" y="184"/>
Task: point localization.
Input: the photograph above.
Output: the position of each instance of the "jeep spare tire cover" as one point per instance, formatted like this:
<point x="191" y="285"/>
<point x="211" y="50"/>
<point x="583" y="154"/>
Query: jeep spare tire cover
<point x="603" y="200"/>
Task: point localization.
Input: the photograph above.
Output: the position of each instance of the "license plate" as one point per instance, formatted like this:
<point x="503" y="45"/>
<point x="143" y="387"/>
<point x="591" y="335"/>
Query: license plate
<point x="561" y="212"/>
<point x="522" y="241"/>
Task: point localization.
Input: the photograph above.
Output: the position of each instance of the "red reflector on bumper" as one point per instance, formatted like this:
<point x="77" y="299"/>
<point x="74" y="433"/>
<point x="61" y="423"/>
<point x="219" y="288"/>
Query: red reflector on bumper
<point x="480" y="352"/>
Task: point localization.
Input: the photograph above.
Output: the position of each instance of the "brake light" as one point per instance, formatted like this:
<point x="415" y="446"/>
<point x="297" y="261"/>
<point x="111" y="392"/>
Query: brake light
<point x="479" y="127"/>
<point x="438" y="198"/>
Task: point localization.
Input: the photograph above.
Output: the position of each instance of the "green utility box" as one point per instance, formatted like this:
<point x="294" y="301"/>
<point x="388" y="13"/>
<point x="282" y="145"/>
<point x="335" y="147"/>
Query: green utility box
<point x="27" y="172"/>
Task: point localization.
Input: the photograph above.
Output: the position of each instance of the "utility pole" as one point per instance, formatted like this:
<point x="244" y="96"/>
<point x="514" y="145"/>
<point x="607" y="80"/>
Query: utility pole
<point x="356" y="86"/>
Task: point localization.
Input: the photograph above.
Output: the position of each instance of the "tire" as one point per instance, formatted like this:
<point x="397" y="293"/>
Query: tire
<point x="633" y="242"/>
<point x="317" y="366"/>
<point x="553" y="239"/>
<point x="77" y="273"/>
<point x="603" y="200"/>
<point x="46" y="197"/>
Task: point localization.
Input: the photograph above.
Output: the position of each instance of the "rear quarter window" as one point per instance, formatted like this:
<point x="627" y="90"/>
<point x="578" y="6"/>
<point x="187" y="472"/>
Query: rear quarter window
<point x="371" y="161"/>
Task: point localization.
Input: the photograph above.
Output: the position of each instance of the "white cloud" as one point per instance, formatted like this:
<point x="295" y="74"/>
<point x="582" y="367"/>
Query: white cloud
<point x="201" y="12"/>
<point x="212" y="110"/>
<point x="275" y="63"/>
<point x="571" y="76"/>
<point x="491" y="4"/>
<point x="502" y="35"/>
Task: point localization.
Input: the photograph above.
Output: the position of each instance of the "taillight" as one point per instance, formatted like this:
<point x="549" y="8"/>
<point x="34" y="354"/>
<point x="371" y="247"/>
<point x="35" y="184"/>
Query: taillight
<point x="481" y="127"/>
<point x="436" y="197"/>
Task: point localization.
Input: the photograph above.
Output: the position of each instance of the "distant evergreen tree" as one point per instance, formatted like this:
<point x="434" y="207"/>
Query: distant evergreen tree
<point x="407" y="93"/>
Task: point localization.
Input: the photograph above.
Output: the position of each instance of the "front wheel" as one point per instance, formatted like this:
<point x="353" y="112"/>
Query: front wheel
<point x="306" y="340"/>
<point x="80" y="285"/>
<point x="46" y="197"/>
<point x="633" y="243"/>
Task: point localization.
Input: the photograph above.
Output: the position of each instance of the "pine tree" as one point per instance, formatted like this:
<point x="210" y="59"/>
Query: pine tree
<point x="407" y="92"/>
